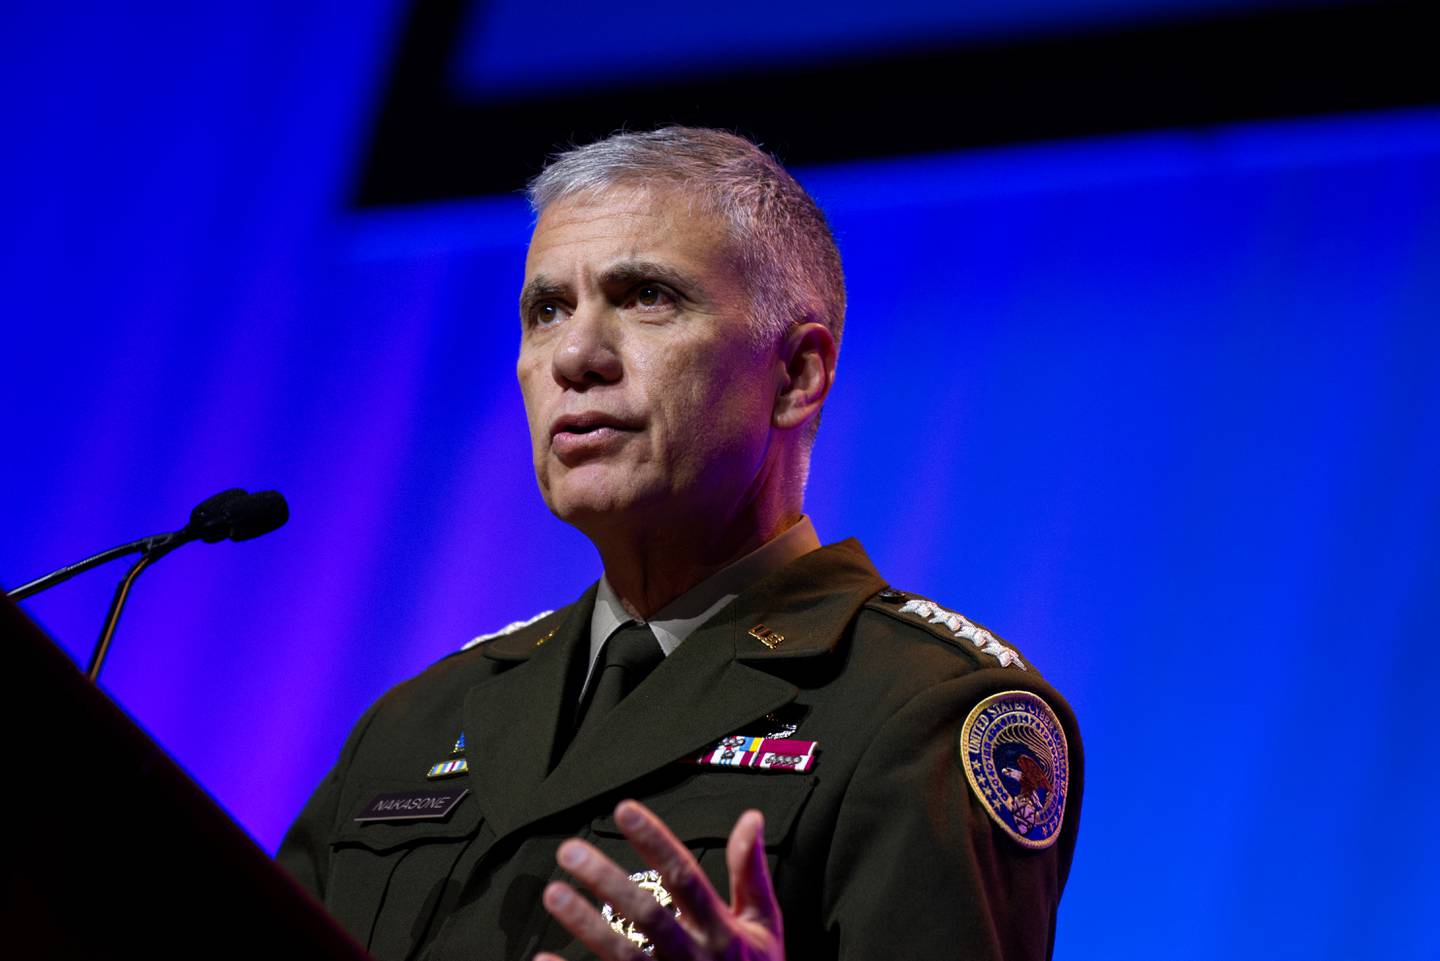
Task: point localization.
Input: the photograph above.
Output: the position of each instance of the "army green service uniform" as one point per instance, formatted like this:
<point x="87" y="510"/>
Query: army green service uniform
<point x="886" y="847"/>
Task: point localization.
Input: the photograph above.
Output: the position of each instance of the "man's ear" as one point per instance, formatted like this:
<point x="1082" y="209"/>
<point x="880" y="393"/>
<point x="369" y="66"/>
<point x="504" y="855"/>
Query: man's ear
<point x="808" y="355"/>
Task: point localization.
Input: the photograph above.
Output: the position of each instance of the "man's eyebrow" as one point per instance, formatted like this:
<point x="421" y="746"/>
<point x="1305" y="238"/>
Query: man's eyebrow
<point x="628" y="273"/>
<point x="538" y="289"/>
<point x="625" y="274"/>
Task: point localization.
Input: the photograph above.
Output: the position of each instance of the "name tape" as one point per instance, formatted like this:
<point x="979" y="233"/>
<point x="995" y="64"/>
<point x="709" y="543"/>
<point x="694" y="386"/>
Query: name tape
<point x="412" y="806"/>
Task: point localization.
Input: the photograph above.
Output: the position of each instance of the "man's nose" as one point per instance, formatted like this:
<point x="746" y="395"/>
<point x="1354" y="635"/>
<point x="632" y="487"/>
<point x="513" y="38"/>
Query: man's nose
<point x="587" y="352"/>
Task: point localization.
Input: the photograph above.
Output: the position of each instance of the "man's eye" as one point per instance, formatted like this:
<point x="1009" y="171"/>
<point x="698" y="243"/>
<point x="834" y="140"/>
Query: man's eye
<point x="545" y="314"/>
<point x="651" y="296"/>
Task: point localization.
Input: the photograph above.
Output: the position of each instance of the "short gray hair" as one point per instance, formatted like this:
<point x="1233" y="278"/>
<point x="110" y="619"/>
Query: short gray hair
<point x="785" y="247"/>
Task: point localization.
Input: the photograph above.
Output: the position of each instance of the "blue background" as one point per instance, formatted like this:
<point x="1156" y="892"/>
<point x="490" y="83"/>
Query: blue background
<point x="1161" y="408"/>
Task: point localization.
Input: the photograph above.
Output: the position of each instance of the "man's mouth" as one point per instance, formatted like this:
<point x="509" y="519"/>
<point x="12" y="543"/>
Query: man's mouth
<point x="588" y="433"/>
<point x="589" y="423"/>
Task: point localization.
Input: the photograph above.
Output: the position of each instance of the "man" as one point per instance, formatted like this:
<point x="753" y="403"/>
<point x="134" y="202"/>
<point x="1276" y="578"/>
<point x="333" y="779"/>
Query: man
<point x="738" y="743"/>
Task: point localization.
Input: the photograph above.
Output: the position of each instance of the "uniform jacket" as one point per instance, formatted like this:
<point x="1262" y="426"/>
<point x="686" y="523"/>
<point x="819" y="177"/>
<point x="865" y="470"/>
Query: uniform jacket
<point x="883" y="849"/>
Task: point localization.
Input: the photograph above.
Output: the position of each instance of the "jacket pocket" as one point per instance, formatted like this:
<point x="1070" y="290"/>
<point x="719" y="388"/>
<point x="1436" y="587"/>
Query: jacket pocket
<point x="386" y="877"/>
<point x="704" y="807"/>
<point x="702" y="810"/>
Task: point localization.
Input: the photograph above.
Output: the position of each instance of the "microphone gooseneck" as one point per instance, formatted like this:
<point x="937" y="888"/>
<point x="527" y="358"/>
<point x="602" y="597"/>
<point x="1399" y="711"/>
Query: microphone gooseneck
<point x="233" y="514"/>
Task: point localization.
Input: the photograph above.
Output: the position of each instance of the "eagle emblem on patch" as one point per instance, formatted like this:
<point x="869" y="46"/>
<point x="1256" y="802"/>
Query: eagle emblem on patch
<point x="1016" y="759"/>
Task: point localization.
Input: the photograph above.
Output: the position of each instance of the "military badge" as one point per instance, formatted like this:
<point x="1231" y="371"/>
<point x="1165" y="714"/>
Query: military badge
<point x="962" y="627"/>
<point x="764" y="753"/>
<point x="445" y="769"/>
<point x="765" y="636"/>
<point x="778" y="728"/>
<point x="647" y="881"/>
<point x="454" y="767"/>
<point x="1017" y="761"/>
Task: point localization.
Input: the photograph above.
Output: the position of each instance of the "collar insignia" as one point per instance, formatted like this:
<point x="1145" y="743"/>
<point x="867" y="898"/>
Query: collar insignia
<point x="766" y="636"/>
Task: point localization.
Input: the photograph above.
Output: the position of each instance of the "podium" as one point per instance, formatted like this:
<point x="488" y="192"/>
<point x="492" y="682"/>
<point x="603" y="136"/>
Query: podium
<point x="110" y="849"/>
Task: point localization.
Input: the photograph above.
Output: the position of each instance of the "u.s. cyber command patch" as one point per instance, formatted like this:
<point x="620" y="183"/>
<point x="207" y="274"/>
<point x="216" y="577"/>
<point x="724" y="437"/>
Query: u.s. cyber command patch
<point x="1016" y="758"/>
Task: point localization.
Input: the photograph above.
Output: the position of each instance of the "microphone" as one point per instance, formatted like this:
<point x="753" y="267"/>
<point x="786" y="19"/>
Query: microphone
<point x="234" y="515"/>
<point x="209" y="519"/>
<point x="259" y="513"/>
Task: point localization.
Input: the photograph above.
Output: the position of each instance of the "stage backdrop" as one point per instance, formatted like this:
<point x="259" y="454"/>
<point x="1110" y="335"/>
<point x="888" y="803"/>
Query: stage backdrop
<point x="1161" y="409"/>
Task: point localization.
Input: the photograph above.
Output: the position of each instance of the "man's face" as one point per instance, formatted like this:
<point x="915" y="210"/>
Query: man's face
<point x="647" y="402"/>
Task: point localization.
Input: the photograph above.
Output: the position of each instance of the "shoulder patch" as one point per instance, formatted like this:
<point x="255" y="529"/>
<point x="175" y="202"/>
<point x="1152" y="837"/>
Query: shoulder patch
<point x="1018" y="763"/>
<point x="510" y="628"/>
<point x="958" y="626"/>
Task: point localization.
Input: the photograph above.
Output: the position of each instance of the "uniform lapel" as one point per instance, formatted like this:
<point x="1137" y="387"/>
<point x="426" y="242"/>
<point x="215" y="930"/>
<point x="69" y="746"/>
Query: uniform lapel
<point x="803" y="609"/>
<point x="717" y="682"/>
<point x="696" y="696"/>
<point x="512" y="721"/>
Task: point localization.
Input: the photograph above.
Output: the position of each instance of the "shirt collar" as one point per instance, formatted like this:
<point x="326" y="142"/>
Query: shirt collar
<point x="681" y="617"/>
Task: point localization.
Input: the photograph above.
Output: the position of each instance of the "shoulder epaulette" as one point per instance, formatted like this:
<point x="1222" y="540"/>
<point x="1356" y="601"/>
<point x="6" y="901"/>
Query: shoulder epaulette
<point x="510" y="628"/>
<point x="948" y="625"/>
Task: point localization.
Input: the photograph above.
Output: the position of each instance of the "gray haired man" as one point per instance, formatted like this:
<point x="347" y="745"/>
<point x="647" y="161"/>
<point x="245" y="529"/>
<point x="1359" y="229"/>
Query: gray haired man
<point x="739" y="743"/>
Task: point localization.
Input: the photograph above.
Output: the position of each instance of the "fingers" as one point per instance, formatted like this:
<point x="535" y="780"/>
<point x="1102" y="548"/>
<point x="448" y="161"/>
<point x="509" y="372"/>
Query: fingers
<point x="752" y="894"/>
<point x="580" y="918"/>
<point x="702" y="911"/>
<point x="707" y="926"/>
<point x="611" y="884"/>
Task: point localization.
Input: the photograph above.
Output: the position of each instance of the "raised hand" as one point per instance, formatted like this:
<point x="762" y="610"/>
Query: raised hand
<point x="749" y="928"/>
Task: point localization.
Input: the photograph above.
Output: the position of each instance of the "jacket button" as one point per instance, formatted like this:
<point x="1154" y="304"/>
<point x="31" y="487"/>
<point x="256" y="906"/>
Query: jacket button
<point x="890" y="596"/>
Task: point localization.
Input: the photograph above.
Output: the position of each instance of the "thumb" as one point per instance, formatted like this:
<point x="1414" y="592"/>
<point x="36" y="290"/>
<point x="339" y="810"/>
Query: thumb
<point x="752" y="895"/>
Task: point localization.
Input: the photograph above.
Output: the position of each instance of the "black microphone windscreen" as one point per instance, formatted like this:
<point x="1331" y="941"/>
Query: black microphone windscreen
<point x="259" y="513"/>
<point x="210" y="520"/>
